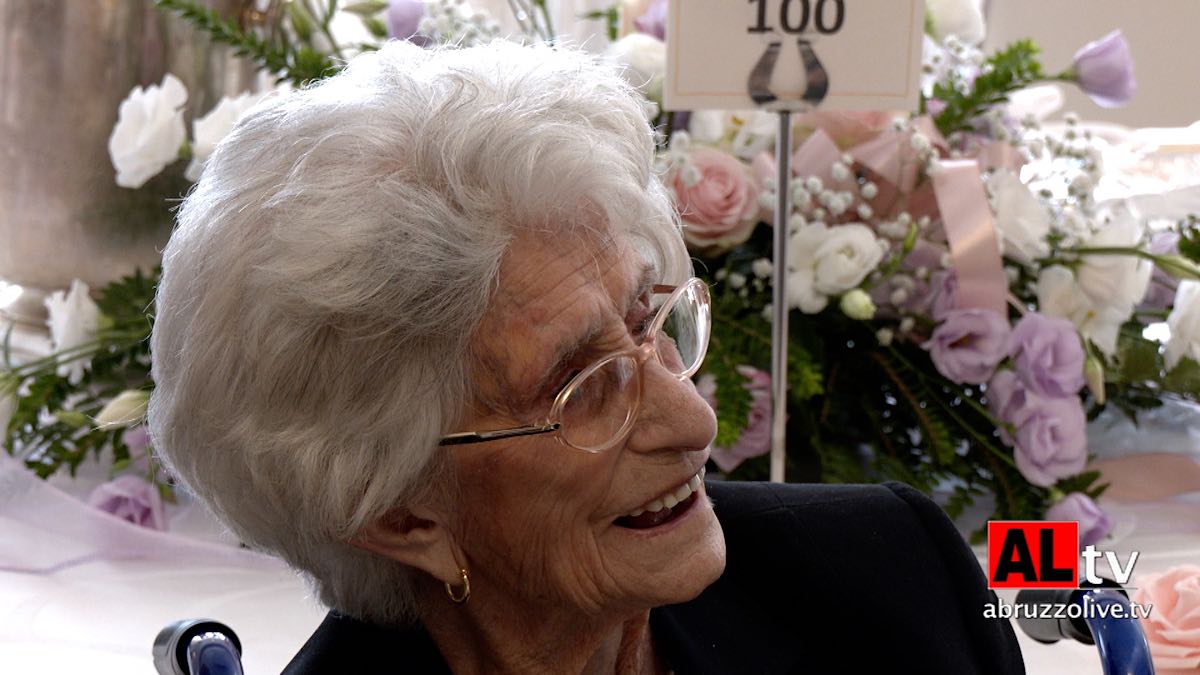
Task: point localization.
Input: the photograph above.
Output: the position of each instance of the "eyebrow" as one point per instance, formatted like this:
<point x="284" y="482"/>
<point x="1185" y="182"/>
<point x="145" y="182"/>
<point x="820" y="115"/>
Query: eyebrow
<point x="572" y="346"/>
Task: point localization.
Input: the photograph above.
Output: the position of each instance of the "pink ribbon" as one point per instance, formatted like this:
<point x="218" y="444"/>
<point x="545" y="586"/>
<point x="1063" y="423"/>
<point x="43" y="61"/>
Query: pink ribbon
<point x="956" y="194"/>
<point x="967" y="218"/>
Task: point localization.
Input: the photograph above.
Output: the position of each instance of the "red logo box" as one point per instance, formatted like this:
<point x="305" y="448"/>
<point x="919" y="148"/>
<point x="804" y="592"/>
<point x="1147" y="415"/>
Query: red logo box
<point x="1033" y="554"/>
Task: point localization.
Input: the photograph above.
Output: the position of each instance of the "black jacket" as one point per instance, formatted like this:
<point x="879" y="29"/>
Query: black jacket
<point x="819" y="579"/>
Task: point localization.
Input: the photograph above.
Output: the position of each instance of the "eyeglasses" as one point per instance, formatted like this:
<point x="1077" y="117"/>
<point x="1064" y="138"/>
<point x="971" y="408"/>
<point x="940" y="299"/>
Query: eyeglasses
<point x="598" y="407"/>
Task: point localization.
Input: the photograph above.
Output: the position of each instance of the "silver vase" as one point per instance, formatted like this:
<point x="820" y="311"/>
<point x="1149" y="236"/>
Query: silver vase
<point x="65" y="67"/>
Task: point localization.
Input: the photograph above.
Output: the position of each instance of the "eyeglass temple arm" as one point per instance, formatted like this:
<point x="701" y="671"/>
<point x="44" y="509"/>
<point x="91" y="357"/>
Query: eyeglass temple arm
<point x="467" y="437"/>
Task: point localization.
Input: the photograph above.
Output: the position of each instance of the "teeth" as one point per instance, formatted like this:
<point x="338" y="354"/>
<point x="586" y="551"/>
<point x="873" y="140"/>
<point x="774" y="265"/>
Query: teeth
<point x="674" y="497"/>
<point x="684" y="491"/>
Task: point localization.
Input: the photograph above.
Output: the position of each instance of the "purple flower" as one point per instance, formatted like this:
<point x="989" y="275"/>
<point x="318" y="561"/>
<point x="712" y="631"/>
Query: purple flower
<point x="131" y="498"/>
<point x="968" y="345"/>
<point x="1104" y="70"/>
<point x="1094" y="523"/>
<point x="945" y="294"/>
<point x="1050" y="433"/>
<point x="1161" y="292"/>
<point x="654" y="20"/>
<point x="1007" y="399"/>
<point x="404" y="17"/>
<point x="1048" y="355"/>
<point x="1051" y="439"/>
<point x="755" y="440"/>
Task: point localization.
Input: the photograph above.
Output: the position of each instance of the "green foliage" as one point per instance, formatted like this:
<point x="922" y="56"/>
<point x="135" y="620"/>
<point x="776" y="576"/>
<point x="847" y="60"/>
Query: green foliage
<point x="298" y="64"/>
<point x="52" y="428"/>
<point x="1189" y="238"/>
<point x="1015" y="67"/>
<point x="1086" y="482"/>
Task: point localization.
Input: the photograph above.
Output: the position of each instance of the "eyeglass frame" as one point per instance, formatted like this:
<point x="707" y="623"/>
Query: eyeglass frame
<point x="641" y="353"/>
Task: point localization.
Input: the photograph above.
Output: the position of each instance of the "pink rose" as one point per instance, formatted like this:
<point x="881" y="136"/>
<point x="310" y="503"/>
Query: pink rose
<point x="717" y="198"/>
<point x="1173" y="628"/>
<point x="755" y="440"/>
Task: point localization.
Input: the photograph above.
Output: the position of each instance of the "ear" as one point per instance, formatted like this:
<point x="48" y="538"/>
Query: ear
<point x="418" y="537"/>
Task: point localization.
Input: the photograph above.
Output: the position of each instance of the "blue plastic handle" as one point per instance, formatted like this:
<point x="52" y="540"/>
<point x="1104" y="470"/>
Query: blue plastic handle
<point x="1121" y="641"/>
<point x="213" y="654"/>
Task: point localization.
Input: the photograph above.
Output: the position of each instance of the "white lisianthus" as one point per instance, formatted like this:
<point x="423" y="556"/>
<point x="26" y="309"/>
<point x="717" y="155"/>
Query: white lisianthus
<point x="1184" y="322"/>
<point x="755" y="132"/>
<point x="1021" y="219"/>
<point x="125" y="409"/>
<point x="961" y="18"/>
<point x="829" y="261"/>
<point x="644" y="58"/>
<point x="1059" y="295"/>
<point x="207" y="131"/>
<point x="149" y="132"/>
<point x="73" y="320"/>
<point x="1118" y="281"/>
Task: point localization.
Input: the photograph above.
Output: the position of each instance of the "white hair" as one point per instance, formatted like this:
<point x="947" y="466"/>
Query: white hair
<point x="327" y="272"/>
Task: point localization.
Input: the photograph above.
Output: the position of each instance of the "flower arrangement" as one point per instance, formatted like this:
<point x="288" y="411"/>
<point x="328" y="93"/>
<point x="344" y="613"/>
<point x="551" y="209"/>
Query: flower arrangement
<point x="962" y="301"/>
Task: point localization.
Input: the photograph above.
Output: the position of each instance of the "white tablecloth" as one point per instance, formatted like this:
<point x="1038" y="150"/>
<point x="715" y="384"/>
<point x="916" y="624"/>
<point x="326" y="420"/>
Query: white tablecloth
<point x="81" y="591"/>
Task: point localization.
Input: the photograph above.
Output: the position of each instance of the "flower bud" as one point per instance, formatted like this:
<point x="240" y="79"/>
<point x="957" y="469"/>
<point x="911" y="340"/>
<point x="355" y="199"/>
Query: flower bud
<point x="857" y="305"/>
<point x="128" y="407"/>
<point x="1093" y="372"/>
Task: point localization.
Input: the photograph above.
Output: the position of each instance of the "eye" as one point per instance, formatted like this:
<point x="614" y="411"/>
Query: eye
<point x="564" y="381"/>
<point x="642" y="325"/>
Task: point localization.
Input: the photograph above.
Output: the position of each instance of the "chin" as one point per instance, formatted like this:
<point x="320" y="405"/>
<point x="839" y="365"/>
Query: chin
<point x="688" y="559"/>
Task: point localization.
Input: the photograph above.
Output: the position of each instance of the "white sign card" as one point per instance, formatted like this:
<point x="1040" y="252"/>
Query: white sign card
<point x="868" y="52"/>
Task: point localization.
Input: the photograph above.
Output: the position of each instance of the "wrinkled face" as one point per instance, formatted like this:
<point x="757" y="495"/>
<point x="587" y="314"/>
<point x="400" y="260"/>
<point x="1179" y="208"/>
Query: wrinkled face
<point x="550" y="524"/>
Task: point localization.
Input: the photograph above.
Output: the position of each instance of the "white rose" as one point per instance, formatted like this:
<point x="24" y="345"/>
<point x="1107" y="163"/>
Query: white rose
<point x="149" y="132"/>
<point x="1116" y="281"/>
<point x="1059" y="295"/>
<point x="73" y="321"/>
<point x="1184" y="322"/>
<point x="644" y="58"/>
<point x="1021" y="219"/>
<point x="829" y="261"/>
<point x="207" y="131"/>
<point x="960" y="18"/>
<point x="849" y="253"/>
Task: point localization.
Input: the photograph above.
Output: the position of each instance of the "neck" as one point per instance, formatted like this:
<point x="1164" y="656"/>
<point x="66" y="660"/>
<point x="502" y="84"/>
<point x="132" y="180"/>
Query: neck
<point x="483" y="637"/>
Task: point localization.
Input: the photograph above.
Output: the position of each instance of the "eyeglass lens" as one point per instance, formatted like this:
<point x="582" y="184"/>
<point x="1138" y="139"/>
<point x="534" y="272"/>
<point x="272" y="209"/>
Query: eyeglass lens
<point x="601" y="405"/>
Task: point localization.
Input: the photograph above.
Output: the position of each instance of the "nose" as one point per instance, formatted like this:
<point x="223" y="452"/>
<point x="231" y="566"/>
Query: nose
<point x="672" y="415"/>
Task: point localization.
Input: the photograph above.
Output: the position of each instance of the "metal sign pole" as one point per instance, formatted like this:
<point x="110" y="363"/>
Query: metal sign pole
<point x="779" y="301"/>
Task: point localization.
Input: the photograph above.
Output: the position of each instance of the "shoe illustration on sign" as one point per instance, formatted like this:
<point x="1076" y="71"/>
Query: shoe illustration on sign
<point x="815" y="78"/>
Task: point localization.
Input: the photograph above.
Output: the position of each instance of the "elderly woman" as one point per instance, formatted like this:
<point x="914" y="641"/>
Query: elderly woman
<point x="427" y="331"/>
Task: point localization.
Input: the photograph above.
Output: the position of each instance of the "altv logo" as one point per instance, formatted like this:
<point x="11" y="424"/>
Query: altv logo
<point x="1044" y="554"/>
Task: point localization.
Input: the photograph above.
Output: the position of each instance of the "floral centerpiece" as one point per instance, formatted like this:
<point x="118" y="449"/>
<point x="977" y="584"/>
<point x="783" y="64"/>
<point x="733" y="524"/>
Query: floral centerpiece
<point x="962" y="302"/>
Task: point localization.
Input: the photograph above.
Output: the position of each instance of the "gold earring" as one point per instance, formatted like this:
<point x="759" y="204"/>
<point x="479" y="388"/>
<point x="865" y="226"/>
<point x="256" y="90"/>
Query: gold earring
<point x="460" y="597"/>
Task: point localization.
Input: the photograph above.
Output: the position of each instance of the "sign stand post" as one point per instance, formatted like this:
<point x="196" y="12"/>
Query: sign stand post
<point x="872" y="48"/>
<point x="779" y="299"/>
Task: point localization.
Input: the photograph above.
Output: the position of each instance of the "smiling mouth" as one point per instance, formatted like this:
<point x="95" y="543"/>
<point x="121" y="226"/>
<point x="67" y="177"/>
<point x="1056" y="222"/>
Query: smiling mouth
<point x="664" y="508"/>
